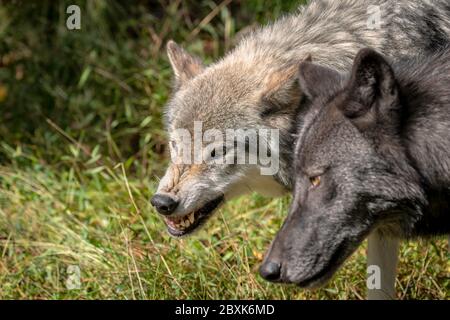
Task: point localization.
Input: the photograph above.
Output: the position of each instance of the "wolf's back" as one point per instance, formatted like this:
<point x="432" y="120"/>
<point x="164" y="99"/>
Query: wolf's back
<point x="332" y="31"/>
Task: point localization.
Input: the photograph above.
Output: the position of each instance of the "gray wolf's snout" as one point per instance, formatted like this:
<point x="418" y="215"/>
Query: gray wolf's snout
<point x="270" y="270"/>
<point x="164" y="204"/>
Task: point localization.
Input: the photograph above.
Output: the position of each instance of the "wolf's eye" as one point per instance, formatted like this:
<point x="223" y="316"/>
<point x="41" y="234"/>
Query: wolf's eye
<point x="213" y="152"/>
<point x="315" y="181"/>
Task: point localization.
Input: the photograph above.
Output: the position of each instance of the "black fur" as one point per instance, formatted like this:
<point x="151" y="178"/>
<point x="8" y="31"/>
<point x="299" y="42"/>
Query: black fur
<point x="379" y="140"/>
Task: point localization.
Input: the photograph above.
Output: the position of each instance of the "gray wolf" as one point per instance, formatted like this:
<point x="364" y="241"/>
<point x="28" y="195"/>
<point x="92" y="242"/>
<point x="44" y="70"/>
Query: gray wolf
<point x="255" y="86"/>
<point x="373" y="153"/>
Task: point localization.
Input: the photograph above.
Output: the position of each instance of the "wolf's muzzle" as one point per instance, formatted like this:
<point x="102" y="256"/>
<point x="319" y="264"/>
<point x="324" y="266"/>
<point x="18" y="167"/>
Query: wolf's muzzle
<point x="270" y="271"/>
<point x="164" y="204"/>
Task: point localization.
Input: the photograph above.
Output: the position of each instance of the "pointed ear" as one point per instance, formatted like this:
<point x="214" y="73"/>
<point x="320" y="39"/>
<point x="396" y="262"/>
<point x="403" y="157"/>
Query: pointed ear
<point x="184" y="65"/>
<point x="280" y="91"/>
<point x="372" y="84"/>
<point x="316" y="80"/>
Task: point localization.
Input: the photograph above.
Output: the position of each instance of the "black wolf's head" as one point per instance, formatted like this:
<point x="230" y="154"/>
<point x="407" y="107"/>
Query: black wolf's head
<point x="351" y="172"/>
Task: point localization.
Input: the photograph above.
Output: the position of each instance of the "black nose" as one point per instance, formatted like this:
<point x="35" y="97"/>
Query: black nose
<point x="164" y="204"/>
<point x="270" y="271"/>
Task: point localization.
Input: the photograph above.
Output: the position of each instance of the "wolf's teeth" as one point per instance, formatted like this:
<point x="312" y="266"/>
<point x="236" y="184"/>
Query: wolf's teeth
<point x="182" y="222"/>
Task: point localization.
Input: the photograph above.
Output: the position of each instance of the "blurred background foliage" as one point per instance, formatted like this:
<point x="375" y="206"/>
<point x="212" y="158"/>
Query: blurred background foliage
<point x="104" y="86"/>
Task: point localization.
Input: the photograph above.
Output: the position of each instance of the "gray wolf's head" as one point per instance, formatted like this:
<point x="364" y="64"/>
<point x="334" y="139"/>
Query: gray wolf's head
<point x="351" y="172"/>
<point x="240" y="92"/>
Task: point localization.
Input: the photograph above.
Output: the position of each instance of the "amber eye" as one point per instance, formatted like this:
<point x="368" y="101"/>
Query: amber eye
<point x="315" y="181"/>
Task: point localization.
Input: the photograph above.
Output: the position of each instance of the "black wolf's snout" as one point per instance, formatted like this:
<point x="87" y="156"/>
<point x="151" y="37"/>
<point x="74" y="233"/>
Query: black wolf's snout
<point x="270" y="270"/>
<point x="164" y="204"/>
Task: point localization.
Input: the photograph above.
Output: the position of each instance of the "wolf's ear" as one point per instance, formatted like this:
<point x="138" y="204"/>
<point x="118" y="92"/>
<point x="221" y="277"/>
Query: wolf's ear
<point x="316" y="80"/>
<point x="280" y="91"/>
<point x="184" y="65"/>
<point x="372" y="85"/>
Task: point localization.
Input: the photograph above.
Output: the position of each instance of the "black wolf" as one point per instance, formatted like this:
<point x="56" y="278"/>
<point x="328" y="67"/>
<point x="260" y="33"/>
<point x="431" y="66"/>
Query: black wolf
<point x="372" y="154"/>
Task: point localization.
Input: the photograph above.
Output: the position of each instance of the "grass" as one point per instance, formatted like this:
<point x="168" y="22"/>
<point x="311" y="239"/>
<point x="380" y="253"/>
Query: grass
<point x="82" y="146"/>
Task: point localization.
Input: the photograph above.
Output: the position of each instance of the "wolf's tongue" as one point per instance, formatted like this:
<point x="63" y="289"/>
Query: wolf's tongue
<point x="171" y="223"/>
